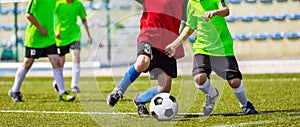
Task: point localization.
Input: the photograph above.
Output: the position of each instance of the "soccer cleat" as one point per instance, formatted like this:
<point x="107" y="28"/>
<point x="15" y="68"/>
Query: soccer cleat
<point x="75" y="89"/>
<point x="210" y="104"/>
<point x="249" y="109"/>
<point x="15" y="96"/>
<point x="113" y="97"/>
<point x="66" y="97"/>
<point x="141" y="107"/>
<point x="54" y="85"/>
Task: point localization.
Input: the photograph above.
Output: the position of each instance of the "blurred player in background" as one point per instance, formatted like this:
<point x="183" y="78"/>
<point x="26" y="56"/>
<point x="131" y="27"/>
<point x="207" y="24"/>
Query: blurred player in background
<point x="68" y="35"/>
<point x="159" y="26"/>
<point x="40" y="42"/>
<point x="213" y="51"/>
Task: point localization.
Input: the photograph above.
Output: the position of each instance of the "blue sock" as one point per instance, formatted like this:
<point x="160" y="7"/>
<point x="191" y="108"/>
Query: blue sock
<point x="128" y="78"/>
<point x="148" y="95"/>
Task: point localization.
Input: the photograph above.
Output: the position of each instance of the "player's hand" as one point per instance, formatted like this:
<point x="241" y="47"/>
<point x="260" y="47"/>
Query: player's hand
<point x="43" y="31"/>
<point x="170" y="50"/>
<point x="57" y="35"/>
<point x="90" y="40"/>
<point x="209" y="14"/>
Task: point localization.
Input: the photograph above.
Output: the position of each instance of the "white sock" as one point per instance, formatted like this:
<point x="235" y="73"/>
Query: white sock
<point x="20" y="75"/>
<point x="75" y="74"/>
<point x="240" y="93"/>
<point x="207" y="88"/>
<point x="59" y="78"/>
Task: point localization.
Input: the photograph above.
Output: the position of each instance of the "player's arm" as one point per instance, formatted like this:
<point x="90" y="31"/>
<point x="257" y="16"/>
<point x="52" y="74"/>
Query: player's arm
<point x="223" y="11"/>
<point x="84" y="21"/>
<point x="33" y="20"/>
<point x="171" y="48"/>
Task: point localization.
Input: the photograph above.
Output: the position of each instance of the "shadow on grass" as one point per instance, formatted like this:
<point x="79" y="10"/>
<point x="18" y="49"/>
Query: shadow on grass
<point x="296" y="111"/>
<point x="49" y="101"/>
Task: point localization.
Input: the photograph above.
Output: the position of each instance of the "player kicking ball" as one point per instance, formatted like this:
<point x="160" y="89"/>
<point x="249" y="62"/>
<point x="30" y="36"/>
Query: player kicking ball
<point x="159" y="26"/>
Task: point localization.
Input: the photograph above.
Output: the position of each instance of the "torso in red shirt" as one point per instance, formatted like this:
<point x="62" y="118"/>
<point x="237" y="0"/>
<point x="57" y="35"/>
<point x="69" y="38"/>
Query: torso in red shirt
<point x="160" y="23"/>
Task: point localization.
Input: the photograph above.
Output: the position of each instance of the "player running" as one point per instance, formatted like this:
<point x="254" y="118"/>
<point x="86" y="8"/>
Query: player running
<point x="68" y="35"/>
<point x="40" y="42"/>
<point x="159" y="26"/>
<point x="213" y="51"/>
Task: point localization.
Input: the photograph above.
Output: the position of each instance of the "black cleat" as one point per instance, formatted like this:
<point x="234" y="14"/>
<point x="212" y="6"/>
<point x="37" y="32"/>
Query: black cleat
<point x="141" y="107"/>
<point x="113" y="97"/>
<point x="249" y="109"/>
<point x="15" y="96"/>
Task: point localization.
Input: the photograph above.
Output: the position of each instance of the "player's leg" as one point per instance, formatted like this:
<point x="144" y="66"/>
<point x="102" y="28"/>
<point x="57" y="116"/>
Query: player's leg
<point x="134" y="71"/>
<point x="130" y="76"/>
<point x="142" y="63"/>
<point x="75" y="51"/>
<point x="14" y="92"/>
<point x="163" y="69"/>
<point x="234" y="78"/>
<point x="164" y="85"/>
<point x="201" y="72"/>
<point x="62" y="51"/>
<point x="62" y="62"/>
<point x="58" y="73"/>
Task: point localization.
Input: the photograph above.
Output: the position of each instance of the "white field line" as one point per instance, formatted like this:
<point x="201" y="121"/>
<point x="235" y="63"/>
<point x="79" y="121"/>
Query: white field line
<point x="258" y="123"/>
<point x="263" y="122"/>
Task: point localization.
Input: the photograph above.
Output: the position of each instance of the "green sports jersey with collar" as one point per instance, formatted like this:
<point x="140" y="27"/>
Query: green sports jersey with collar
<point x="212" y="37"/>
<point x="43" y="11"/>
<point x="66" y="15"/>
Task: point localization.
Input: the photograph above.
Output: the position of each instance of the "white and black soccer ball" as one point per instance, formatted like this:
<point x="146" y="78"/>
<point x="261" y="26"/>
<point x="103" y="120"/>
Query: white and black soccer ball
<point x="163" y="106"/>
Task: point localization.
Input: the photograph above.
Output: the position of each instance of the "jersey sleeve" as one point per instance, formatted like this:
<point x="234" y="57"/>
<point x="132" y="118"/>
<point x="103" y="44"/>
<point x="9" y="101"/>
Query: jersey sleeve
<point x="184" y="8"/>
<point x="32" y="6"/>
<point x="222" y="3"/>
<point x="191" y="19"/>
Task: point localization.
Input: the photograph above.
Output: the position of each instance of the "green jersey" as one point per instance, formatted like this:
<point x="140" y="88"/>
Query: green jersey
<point x="66" y="15"/>
<point x="212" y="37"/>
<point x="43" y="11"/>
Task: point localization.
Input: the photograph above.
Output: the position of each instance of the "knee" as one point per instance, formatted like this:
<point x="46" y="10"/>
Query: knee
<point x="200" y="79"/>
<point x="56" y="62"/>
<point x="234" y="83"/>
<point x="142" y="63"/>
<point x="27" y="66"/>
<point x="27" y="63"/>
<point x="164" y="89"/>
<point x="76" y="56"/>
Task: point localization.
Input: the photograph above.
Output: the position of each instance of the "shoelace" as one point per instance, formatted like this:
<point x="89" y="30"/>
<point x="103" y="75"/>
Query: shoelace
<point x="142" y="107"/>
<point x="117" y="95"/>
<point x="19" y="95"/>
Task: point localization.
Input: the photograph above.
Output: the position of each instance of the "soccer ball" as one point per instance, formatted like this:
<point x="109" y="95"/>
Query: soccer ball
<point x="163" y="106"/>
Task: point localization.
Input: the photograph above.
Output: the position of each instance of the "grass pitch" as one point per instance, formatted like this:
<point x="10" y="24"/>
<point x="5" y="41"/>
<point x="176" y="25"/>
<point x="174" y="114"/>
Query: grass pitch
<point x="275" y="96"/>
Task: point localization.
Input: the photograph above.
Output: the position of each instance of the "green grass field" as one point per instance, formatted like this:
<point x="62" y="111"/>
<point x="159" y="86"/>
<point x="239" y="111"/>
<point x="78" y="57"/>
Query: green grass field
<point x="275" y="96"/>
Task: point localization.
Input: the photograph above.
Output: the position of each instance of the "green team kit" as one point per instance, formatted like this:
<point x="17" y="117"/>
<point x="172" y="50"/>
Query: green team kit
<point x="44" y="15"/>
<point x="213" y="37"/>
<point x="68" y="28"/>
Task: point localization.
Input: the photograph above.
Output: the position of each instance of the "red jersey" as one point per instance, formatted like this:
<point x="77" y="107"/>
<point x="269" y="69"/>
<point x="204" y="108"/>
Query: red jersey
<point x="160" y="23"/>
